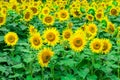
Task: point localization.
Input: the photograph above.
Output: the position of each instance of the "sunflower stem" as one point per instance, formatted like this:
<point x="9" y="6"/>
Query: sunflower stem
<point x="92" y="64"/>
<point x="52" y="71"/>
<point x="42" y="73"/>
<point x="118" y="64"/>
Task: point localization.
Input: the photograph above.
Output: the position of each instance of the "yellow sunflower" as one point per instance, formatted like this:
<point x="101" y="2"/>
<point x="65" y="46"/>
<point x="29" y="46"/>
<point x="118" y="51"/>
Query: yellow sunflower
<point x="114" y="11"/>
<point x="32" y="30"/>
<point x="36" y="41"/>
<point x="51" y="36"/>
<point x="90" y="17"/>
<point x="77" y="42"/>
<point x="11" y="38"/>
<point x="44" y="57"/>
<point x="34" y="10"/>
<point x="2" y="20"/>
<point x="28" y="15"/>
<point x="106" y="46"/>
<point x="67" y="34"/>
<point x="63" y="15"/>
<point x="96" y="45"/>
<point x="45" y="11"/>
<point x="99" y="15"/>
<point x="48" y="20"/>
<point x="110" y="27"/>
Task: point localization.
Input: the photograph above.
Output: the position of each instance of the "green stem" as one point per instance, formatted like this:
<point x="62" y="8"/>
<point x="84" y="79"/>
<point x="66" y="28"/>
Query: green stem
<point x="93" y="61"/>
<point x="52" y="71"/>
<point x="42" y="73"/>
<point x="118" y="64"/>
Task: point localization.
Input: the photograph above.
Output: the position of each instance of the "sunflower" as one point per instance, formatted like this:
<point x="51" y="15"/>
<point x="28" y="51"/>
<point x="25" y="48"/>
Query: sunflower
<point x="99" y="16"/>
<point x="34" y="10"/>
<point x="77" y="42"/>
<point x="63" y="15"/>
<point x="28" y="15"/>
<point x="92" y="29"/>
<point x="44" y="57"/>
<point x="96" y="45"/>
<point x="76" y="13"/>
<point x="36" y="41"/>
<point x="114" y="11"/>
<point x="32" y="30"/>
<point x="110" y="28"/>
<point x="106" y="46"/>
<point x="45" y="11"/>
<point x="51" y="36"/>
<point x="90" y="17"/>
<point x="48" y="20"/>
<point x="11" y="38"/>
<point x="67" y="34"/>
<point x="2" y="20"/>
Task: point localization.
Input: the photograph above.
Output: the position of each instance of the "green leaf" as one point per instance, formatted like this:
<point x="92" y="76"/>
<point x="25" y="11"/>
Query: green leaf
<point x="29" y="77"/>
<point x="68" y="77"/>
<point x="2" y="69"/>
<point x="83" y="72"/>
<point x="3" y="59"/>
<point x="93" y="77"/>
<point x="1" y="38"/>
<point x="17" y="66"/>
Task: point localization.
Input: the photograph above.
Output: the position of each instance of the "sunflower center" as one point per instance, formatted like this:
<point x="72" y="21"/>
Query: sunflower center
<point x="90" y="17"/>
<point x="63" y="15"/>
<point x="34" y="10"/>
<point x="77" y="42"/>
<point x="99" y="15"/>
<point x="48" y="19"/>
<point x="27" y="15"/>
<point x="67" y="35"/>
<point x="105" y="46"/>
<point x="76" y="13"/>
<point x="45" y="11"/>
<point x="1" y="19"/>
<point x="92" y="29"/>
<point x="45" y="57"/>
<point x="96" y="46"/>
<point x="111" y="28"/>
<point x="36" y="41"/>
<point x="11" y="39"/>
<point x="113" y="11"/>
<point x="14" y="7"/>
<point x="51" y="36"/>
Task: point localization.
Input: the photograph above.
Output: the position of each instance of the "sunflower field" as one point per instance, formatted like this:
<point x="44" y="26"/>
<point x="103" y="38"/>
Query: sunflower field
<point x="59" y="39"/>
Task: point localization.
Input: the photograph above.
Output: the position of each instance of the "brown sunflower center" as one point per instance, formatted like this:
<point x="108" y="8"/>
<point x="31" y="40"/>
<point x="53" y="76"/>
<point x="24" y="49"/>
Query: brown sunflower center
<point x="67" y="35"/>
<point x="105" y="46"/>
<point x="92" y="29"/>
<point x="90" y="17"/>
<point x="113" y="11"/>
<point x="34" y="10"/>
<point x="27" y="15"/>
<point x="48" y="19"/>
<point x="36" y="41"/>
<point x="14" y="7"/>
<point x="45" y="11"/>
<point x="46" y="57"/>
<point x="1" y="19"/>
<point x="63" y="15"/>
<point x="99" y="15"/>
<point x="76" y="13"/>
<point x="77" y="42"/>
<point x="51" y="36"/>
<point x="96" y="46"/>
<point x="11" y="39"/>
<point x="111" y="28"/>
